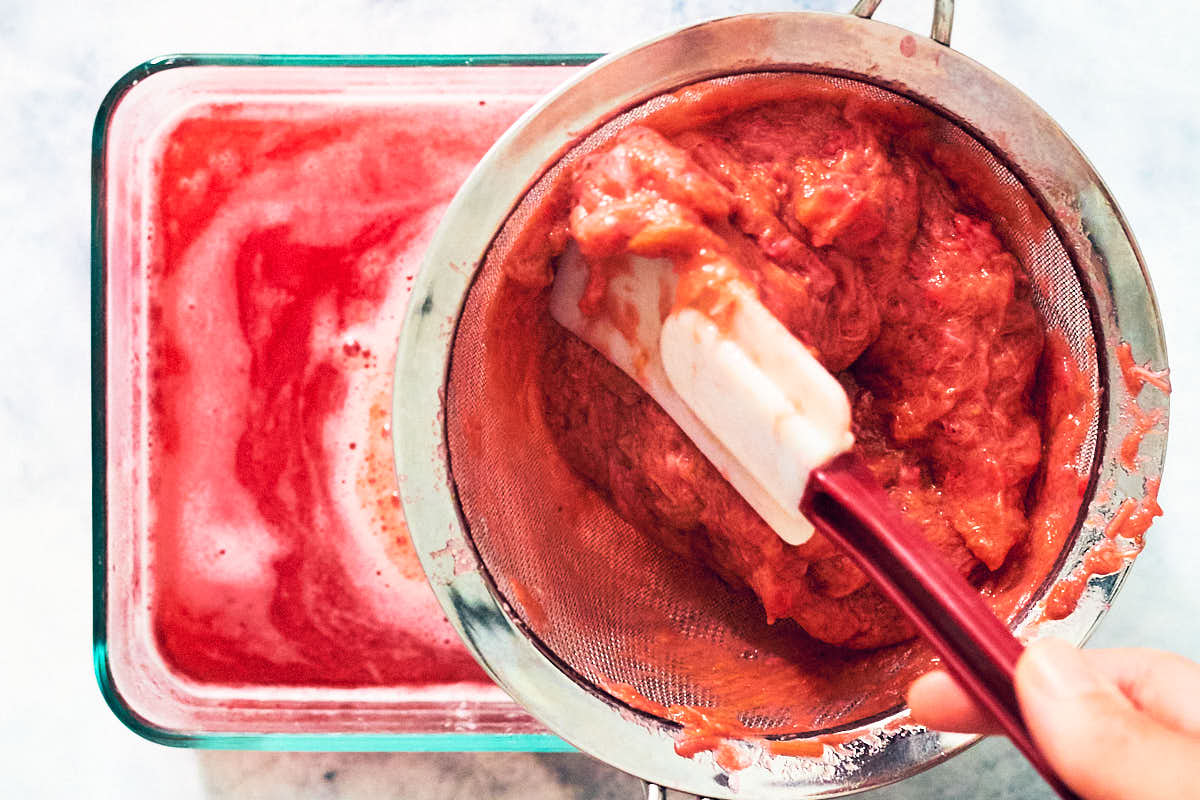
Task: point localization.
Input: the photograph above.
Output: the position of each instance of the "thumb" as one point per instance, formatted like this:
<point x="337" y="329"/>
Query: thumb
<point x="1099" y="742"/>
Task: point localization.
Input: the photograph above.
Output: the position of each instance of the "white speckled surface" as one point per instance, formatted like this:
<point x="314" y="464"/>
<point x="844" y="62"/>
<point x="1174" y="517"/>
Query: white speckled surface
<point x="1119" y="76"/>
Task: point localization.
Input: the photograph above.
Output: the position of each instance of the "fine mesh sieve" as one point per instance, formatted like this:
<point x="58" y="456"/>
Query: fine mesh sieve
<point x="582" y="617"/>
<point x="546" y="538"/>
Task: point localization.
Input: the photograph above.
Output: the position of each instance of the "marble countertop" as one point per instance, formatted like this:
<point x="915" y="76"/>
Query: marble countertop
<point x="1118" y="76"/>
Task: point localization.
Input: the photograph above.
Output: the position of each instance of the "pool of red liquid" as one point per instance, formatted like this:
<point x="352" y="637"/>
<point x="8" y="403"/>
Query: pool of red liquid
<point x="281" y="255"/>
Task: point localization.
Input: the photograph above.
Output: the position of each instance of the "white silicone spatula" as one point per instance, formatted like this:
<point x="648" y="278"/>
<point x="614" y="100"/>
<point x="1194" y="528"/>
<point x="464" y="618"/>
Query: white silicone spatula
<point x="745" y="391"/>
<point x="776" y="424"/>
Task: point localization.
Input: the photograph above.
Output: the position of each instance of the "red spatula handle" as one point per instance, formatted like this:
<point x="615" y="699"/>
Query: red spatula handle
<point x="845" y="502"/>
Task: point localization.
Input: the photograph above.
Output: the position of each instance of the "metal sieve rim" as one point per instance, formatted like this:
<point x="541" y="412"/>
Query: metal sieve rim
<point x="1086" y="218"/>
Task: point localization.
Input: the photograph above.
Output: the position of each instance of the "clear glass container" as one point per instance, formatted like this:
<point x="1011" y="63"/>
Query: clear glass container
<point x="256" y="224"/>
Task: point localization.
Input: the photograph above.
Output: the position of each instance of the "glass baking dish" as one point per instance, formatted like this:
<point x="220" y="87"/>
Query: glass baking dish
<point x="256" y="223"/>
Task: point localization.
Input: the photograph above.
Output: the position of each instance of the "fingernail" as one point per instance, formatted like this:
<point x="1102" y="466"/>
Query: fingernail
<point x="1057" y="669"/>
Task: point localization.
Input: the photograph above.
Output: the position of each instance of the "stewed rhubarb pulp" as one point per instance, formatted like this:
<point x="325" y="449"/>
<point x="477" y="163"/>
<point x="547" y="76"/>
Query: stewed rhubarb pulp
<point x="873" y="240"/>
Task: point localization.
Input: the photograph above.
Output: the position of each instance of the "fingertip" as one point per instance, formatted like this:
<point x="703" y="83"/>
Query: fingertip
<point x="938" y="703"/>
<point x="926" y="694"/>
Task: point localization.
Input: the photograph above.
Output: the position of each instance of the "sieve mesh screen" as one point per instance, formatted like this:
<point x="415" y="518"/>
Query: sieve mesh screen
<point x="614" y="607"/>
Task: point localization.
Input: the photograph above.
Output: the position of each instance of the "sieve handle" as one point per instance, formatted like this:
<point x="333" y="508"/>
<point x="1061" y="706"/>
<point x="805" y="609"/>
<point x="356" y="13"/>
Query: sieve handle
<point x="654" y="791"/>
<point x="943" y="17"/>
<point x="844" y="501"/>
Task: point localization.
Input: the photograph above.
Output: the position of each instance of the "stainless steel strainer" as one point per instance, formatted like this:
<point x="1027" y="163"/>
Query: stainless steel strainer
<point x="520" y="554"/>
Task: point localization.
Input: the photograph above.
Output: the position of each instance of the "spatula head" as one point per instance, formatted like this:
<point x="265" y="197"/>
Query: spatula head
<point x="751" y="396"/>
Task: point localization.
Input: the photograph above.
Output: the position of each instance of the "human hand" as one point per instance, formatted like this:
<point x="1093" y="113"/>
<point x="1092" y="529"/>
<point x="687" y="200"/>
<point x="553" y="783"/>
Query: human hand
<point x="1121" y="724"/>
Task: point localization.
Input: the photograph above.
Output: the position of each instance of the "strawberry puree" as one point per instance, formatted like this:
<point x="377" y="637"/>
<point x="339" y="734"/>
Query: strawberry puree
<point x="1136" y="376"/>
<point x="731" y="742"/>
<point x="1123" y="541"/>
<point x="1142" y="422"/>
<point x="1125" y="536"/>
<point x="708" y="730"/>
<point x="284" y="250"/>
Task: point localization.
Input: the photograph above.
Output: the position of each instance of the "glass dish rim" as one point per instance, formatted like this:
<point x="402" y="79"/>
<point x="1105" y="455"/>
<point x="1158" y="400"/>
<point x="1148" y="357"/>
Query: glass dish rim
<point x="406" y="742"/>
